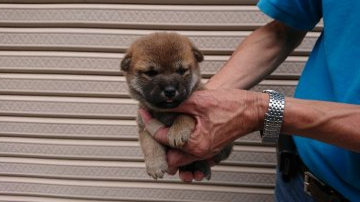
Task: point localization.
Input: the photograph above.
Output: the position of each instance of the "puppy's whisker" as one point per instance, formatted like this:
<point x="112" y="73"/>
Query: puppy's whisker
<point x="137" y="87"/>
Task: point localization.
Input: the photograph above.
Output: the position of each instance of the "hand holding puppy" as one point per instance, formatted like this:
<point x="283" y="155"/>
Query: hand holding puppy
<point x="221" y="117"/>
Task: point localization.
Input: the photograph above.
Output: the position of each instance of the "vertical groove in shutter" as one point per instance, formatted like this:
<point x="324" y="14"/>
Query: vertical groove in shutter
<point x="67" y="122"/>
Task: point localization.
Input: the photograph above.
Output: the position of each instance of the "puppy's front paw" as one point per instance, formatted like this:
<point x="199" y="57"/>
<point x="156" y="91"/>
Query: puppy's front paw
<point x="177" y="138"/>
<point x="156" y="167"/>
<point x="181" y="130"/>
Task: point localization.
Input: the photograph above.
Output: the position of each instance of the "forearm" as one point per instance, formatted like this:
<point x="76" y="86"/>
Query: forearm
<point x="257" y="56"/>
<point x="333" y="123"/>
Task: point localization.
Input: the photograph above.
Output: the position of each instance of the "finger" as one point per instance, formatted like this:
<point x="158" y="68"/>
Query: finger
<point x="187" y="107"/>
<point x="186" y="176"/>
<point x="198" y="175"/>
<point x="190" y="105"/>
<point x="161" y="136"/>
<point x="172" y="170"/>
<point x="145" y="115"/>
<point x="156" y="129"/>
<point x="195" y="103"/>
<point x="177" y="158"/>
<point x="153" y="126"/>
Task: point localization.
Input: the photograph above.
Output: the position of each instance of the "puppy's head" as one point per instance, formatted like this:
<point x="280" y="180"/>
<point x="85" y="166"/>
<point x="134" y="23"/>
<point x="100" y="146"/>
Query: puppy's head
<point x="162" y="69"/>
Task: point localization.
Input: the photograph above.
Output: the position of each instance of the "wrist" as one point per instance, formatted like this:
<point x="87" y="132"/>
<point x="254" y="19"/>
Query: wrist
<point x="273" y="117"/>
<point x="263" y="100"/>
<point x="256" y="106"/>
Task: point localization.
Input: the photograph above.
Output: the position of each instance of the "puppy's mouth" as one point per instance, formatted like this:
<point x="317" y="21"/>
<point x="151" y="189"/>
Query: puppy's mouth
<point x="169" y="103"/>
<point x="169" y="100"/>
<point x="165" y="98"/>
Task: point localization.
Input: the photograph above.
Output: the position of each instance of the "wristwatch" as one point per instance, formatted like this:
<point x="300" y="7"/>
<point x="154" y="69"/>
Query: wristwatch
<point x="273" y="117"/>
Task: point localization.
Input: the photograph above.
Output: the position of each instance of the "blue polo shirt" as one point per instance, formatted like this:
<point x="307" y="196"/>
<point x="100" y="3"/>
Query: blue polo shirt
<point x="332" y="73"/>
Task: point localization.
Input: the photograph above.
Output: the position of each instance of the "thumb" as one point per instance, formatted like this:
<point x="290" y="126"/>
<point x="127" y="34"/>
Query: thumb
<point x="156" y="129"/>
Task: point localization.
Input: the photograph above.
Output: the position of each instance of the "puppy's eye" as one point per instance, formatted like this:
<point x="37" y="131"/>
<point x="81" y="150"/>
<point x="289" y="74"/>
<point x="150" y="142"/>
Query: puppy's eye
<point x="151" y="73"/>
<point x="181" y="71"/>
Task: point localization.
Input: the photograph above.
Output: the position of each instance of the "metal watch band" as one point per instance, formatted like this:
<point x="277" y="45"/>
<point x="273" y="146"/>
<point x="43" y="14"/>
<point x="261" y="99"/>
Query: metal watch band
<point x="273" y="117"/>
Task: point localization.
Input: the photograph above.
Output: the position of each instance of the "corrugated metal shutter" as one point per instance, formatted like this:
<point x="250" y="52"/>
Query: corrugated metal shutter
<point x="67" y="129"/>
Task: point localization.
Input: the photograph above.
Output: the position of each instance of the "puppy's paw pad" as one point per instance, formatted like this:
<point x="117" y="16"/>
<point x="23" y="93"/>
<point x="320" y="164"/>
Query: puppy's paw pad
<point x="156" y="168"/>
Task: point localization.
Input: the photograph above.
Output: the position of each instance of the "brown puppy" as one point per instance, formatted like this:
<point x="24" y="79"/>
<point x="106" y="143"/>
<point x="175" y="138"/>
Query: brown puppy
<point x="162" y="70"/>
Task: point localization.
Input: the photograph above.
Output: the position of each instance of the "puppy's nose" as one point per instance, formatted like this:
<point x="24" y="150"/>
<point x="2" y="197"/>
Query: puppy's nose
<point x="170" y="91"/>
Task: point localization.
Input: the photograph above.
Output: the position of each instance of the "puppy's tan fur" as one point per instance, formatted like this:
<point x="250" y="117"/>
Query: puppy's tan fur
<point x="162" y="71"/>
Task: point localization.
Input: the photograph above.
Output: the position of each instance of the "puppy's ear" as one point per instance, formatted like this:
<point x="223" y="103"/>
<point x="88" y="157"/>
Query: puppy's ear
<point x="125" y="63"/>
<point x="198" y="54"/>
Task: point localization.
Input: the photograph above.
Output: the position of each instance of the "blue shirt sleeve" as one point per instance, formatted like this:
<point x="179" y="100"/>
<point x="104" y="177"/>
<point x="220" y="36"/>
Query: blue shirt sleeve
<point x="298" y="14"/>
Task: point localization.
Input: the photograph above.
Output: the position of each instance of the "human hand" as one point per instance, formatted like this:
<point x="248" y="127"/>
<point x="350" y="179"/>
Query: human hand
<point x="221" y="117"/>
<point x="175" y="157"/>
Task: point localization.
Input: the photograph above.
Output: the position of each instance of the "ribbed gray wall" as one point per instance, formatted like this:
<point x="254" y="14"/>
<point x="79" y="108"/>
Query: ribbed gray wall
<point x="67" y="129"/>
